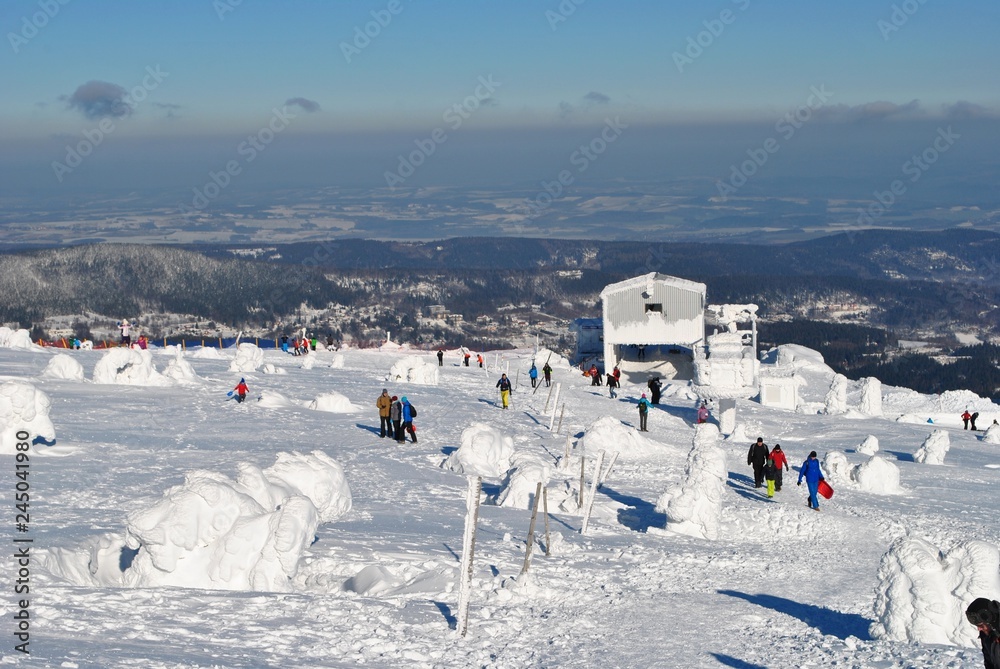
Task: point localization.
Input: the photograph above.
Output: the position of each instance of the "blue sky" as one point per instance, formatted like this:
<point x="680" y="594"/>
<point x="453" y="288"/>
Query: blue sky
<point x="557" y="66"/>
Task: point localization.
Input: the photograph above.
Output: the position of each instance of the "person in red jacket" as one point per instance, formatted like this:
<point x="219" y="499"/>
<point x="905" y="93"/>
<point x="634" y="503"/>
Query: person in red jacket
<point x="779" y="462"/>
<point x="241" y="391"/>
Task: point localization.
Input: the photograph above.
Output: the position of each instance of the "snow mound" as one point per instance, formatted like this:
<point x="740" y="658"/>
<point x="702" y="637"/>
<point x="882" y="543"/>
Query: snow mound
<point x="554" y="359"/>
<point x="922" y="593"/>
<point x="519" y="484"/>
<point x="308" y="362"/>
<point x="180" y="370"/>
<point x="412" y="369"/>
<point x="796" y="357"/>
<point x="610" y="434"/>
<point x="209" y="353"/>
<point x="248" y="534"/>
<point x="332" y="402"/>
<point x="337" y="362"/>
<point x="871" y="397"/>
<point x="129" y="367"/>
<point x="992" y="435"/>
<point x="869" y="446"/>
<point x="877" y="475"/>
<point x="19" y="339"/>
<point x="270" y="399"/>
<point x="485" y="451"/>
<point x="934" y="448"/>
<point x="957" y="401"/>
<point x="268" y="368"/>
<point x="836" y="466"/>
<point x="695" y="509"/>
<point x="63" y="366"/>
<point x="248" y="358"/>
<point x="23" y="408"/>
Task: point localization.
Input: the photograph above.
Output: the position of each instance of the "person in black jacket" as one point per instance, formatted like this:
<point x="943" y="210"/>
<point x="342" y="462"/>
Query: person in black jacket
<point x="757" y="456"/>
<point x="985" y="615"/>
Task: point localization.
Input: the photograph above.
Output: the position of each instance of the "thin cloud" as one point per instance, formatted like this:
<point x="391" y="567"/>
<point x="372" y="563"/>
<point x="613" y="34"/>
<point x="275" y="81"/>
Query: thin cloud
<point x="964" y="110"/>
<point x="305" y="104"/>
<point x="871" y="111"/>
<point x="596" y="98"/>
<point x="99" y="99"/>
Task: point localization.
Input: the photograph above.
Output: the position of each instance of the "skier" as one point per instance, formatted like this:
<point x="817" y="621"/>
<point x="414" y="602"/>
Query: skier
<point x="547" y="371"/>
<point x="384" y="404"/>
<point x="396" y="416"/>
<point x="409" y="413"/>
<point x="440" y="358"/>
<point x="643" y="413"/>
<point x="985" y="615"/>
<point x="504" y="385"/>
<point x="533" y="375"/>
<point x="703" y="413"/>
<point x="813" y="475"/>
<point x="241" y="391"/>
<point x="779" y="462"/>
<point x="965" y="419"/>
<point x="126" y="332"/>
<point x="757" y="456"/>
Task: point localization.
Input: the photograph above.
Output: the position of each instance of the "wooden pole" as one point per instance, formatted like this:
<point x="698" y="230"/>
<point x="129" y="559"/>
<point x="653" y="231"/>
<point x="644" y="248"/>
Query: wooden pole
<point x="531" y="530"/>
<point x="593" y="492"/>
<point x="546" y="409"/>
<point x="468" y="551"/>
<point x="220" y="343"/>
<point x="562" y="410"/>
<point x="545" y="513"/>
<point x="604" y="476"/>
<point x="583" y="464"/>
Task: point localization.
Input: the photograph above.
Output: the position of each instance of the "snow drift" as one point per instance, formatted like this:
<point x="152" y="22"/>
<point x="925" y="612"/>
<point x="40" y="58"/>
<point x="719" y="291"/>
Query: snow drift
<point x="23" y="407"/>
<point x="485" y="451"/>
<point x="130" y="367"/>
<point x="610" y="434"/>
<point x="63" y="367"/>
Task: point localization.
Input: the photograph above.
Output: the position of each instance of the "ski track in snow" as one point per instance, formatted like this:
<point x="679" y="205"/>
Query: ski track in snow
<point x="783" y="586"/>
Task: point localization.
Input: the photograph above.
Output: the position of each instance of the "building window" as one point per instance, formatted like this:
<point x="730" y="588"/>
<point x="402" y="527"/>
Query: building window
<point x="657" y="308"/>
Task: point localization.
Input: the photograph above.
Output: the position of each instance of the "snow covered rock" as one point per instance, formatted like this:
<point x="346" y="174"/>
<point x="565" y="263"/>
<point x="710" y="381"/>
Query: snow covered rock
<point x="248" y="358"/>
<point x="695" y="509"/>
<point x="922" y="594"/>
<point x="934" y="448"/>
<point x="19" y="339"/>
<point x="869" y="446"/>
<point x="23" y="407"/>
<point x="130" y="367"/>
<point x="412" y="369"/>
<point x="519" y="484"/>
<point x="836" y="467"/>
<point x="485" y="451"/>
<point x="877" y="475"/>
<point x="871" y="397"/>
<point x="249" y="534"/>
<point x="610" y="434"/>
<point x="65" y="367"/>
<point x="333" y="402"/>
<point x="836" y="399"/>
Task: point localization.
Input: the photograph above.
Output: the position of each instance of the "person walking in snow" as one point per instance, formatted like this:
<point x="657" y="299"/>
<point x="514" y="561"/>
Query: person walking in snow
<point x="757" y="457"/>
<point x="284" y="343"/>
<point x="643" y="413"/>
<point x="595" y="376"/>
<point x="770" y="473"/>
<point x="241" y="391"/>
<point x="384" y="404"/>
<point x="409" y="413"/>
<point x="985" y="615"/>
<point x="547" y="371"/>
<point x="972" y="420"/>
<point x="780" y="461"/>
<point x="505" y="390"/>
<point x="440" y="358"/>
<point x="465" y="360"/>
<point x="396" y="416"/>
<point x="813" y="475"/>
<point x="612" y="384"/>
<point x="617" y="373"/>
<point x="965" y="420"/>
<point x="654" y="385"/>
<point x="533" y="375"/>
<point x="479" y="359"/>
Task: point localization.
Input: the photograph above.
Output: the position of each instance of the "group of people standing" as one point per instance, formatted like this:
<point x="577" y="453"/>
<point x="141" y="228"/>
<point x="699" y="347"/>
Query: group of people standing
<point x="969" y="419"/>
<point x="396" y="416"/>
<point x="769" y="464"/>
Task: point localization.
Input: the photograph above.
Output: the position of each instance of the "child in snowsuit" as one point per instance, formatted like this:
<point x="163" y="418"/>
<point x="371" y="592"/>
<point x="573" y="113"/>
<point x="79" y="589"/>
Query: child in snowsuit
<point x="779" y="462"/>
<point x="813" y="475"/>
<point x="643" y="413"/>
<point x="770" y="473"/>
<point x="241" y="391"/>
<point x="396" y="416"/>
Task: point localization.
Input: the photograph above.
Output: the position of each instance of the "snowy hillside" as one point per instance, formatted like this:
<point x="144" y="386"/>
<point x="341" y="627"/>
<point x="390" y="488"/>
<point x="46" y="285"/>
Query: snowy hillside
<point x="174" y="527"/>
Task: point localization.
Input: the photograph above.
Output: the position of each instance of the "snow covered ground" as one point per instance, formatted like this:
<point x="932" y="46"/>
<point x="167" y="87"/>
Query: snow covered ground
<point x="161" y="472"/>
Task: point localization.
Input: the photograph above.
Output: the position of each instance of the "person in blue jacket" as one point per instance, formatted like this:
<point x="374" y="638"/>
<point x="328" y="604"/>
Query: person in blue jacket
<point x="533" y="375"/>
<point x="407" y="421"/>
<point x="813" y="475"/>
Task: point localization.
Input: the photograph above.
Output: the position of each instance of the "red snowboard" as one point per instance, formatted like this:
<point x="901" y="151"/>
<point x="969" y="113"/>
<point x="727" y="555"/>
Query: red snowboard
<point x="825" y="489"/>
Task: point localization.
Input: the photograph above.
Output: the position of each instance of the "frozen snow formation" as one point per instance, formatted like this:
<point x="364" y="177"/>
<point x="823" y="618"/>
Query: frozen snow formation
<point x="23" y="407"/>
<point x="180" y="370"/>
<point x="869" y="446"/>
<point x="271" y="399"/>
<point x="268" y="368"/>
<point x="610" y="434"/>
<point x="836" y="399"/>
<point x="797" y="357"/>
<point x="65" y="367"/>
<point x="248" y="534"/>
<point x="992" y="434"/>
<point x="695" y="509"/>
<point x="877" y="475"/>
<point x="130" y="367"/>
<point x="836" y="467"/>
<point x="871" y="397"/>
<point x="209" y="353"/>
<point x="333" y="402"/>
<point x="519" y="484"/>
<point x="19" y="339"/>
<point x="412" y="369"/>
<point x="308" y="361"/>
<point x="248" y="358"/>
<point x="485" y="451"/>
<point x="922" y="593"/>
<point x="934" y="448"/>
<point x="337" y="362"/>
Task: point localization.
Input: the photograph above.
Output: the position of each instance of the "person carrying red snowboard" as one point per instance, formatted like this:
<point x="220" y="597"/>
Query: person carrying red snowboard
<point x="813" y="475"/>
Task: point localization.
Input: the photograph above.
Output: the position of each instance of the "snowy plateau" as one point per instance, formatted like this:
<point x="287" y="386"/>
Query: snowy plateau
<point x="171" y="526"/>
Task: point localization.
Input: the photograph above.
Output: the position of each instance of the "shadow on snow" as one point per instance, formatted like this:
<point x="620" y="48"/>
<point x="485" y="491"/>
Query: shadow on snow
<point x="640" y="516"/>
<point x="834" y="623"/>
<point x="727" y="661"/>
